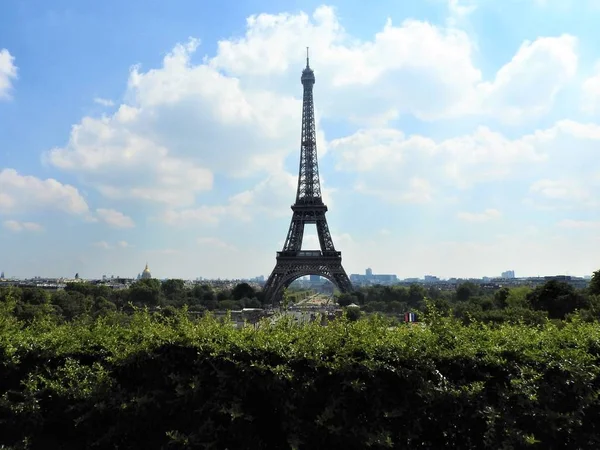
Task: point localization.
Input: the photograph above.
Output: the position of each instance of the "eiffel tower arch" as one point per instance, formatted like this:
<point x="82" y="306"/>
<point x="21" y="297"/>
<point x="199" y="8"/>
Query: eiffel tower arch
<point x="293" y="262"/>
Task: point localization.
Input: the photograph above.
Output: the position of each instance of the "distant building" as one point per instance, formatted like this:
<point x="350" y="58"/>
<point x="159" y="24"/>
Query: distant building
<point x="314" y="278"/>
<point x="370" y="278"/>
<point x="430" y="279"/>
<point x="146" y="275"/>
<point x="508" y="275"/>
<point x="1" y="275"/>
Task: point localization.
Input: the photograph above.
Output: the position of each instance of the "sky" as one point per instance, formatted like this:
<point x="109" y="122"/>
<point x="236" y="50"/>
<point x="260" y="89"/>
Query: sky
<point x="456" y="138"/>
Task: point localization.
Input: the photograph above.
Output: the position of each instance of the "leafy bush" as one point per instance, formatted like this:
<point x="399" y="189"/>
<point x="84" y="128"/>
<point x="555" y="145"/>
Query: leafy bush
<point x="147" y="381"/>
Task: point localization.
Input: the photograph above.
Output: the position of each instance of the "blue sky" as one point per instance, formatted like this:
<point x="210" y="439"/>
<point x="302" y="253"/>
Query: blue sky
<point x="456" y="138"/>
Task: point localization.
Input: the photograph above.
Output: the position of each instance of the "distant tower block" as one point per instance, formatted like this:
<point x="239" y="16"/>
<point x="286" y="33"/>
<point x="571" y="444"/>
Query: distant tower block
<point x="292" y="261"/>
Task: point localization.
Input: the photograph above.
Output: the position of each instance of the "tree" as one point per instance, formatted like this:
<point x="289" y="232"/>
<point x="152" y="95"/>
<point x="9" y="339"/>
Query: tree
<point x="224" y="295"/>
<point x="466" y="290"/>
<point x="72" y="303"/>
<point x="35" y="296"/>
<point x="416" y="294"/>
<point x="345" y="299"/>
<point x="517" y="297"/>
<point x="501" y="296"/>
<point x="353" y="314"/>
<point x="172" y="288"/>
<point x="556" y="297"/>
<point x="594" y="286"/>
<point x="242" y="290"/>
<point x="145" y="292"/>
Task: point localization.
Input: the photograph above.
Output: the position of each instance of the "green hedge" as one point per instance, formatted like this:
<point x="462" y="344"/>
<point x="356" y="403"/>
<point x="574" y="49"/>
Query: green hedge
<point x="153" y="383"/>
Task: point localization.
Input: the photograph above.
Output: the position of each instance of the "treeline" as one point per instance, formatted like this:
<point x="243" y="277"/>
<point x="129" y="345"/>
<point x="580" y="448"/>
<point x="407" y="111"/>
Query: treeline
<point x="90" y="300"/>
<point x="470" y="302"/>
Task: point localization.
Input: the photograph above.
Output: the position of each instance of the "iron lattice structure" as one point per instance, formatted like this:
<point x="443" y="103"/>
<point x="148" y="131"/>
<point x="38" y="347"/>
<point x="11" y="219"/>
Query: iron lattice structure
<point x="292" y="261"/>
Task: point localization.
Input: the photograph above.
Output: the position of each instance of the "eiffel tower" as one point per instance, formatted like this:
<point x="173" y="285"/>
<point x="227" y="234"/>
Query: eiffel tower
<point x="292" y="261"/>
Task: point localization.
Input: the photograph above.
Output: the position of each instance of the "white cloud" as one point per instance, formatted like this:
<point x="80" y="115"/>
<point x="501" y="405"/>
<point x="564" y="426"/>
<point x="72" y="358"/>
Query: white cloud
<point x="16" y="226"/>
<point x="418" y="190"/>
<point x="484" y="216"/>
<point x="123" y="164"/>
<point x="215" y="243"/>
<point x="558" y="162"/>
<point x="414" y="67"/>
<point x="269" y="198"/>
<point x="591" y="91"/>
<point x="527" y="85"/>
<point x="108" y="246"/>
<point x="579" y="224"/>
<point x="563" y="193"/>
<point x="102" y="244"/>
<point x="560" y="190"/>
<point x="183" y="123"/>
<point x="459" y="10"/>
<point x="8" y="73"/>
<point x="237" y="114"/>
<point x="20" y="193"/>
<point x="115" y="218"/>
<point x="104" y="101"/>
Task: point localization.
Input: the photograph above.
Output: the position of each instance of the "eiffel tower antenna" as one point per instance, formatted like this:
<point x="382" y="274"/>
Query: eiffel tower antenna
<point x="292" y="261"/>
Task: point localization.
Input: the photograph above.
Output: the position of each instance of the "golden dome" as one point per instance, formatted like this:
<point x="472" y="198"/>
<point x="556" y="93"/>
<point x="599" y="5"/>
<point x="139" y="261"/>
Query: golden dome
<point x="146" y="273"/>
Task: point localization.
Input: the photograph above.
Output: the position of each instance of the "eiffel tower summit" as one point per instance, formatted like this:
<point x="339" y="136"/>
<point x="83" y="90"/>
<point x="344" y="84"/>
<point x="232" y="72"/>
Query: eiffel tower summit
<point x="292" y="261"/>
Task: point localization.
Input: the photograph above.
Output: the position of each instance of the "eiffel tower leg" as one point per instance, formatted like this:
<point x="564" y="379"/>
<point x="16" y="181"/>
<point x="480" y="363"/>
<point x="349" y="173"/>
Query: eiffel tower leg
<point x="325" y="238"/>
<point x="293" y="242"/>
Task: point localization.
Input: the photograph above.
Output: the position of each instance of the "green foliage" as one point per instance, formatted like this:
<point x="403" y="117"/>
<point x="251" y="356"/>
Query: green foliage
<point x="243" y="290"/>
<point x="346" y="299"/>
<point x="594" y="286"/>
<point x="557" y="298"/>
<point x="466" y="290"/>
<point x="156" y="382"/>
<point x="353" y="314"/>
<point x="517" y="297"/>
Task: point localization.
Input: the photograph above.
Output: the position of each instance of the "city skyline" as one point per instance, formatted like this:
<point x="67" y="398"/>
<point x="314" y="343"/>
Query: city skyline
<point x="464" y="135"/>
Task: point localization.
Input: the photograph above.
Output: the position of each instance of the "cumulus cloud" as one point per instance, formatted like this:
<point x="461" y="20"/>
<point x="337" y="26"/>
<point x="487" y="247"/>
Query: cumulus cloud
<point x="8" y="73"/>
<point x="16" y="226"/>
<point x="104" y="101"/>
<point x="20" y="193"/>
<point x="123" y="164"/>
<point x="580" y="224"/>
<point x="591" y="91"/>
<point x="215" y="243"/>
<point x="386" y="162"/>
<point x="236" y="114"/>
<point x="269" y="198"/>
<point x="108" y="246"/>
<point x="184" y="123"/>
<point x="414" y="67"/>
<point x="115" y="218"/>
<point x="479" y="217"/>
<point x="102" y="244"/>
<point x="528" y="84"/>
